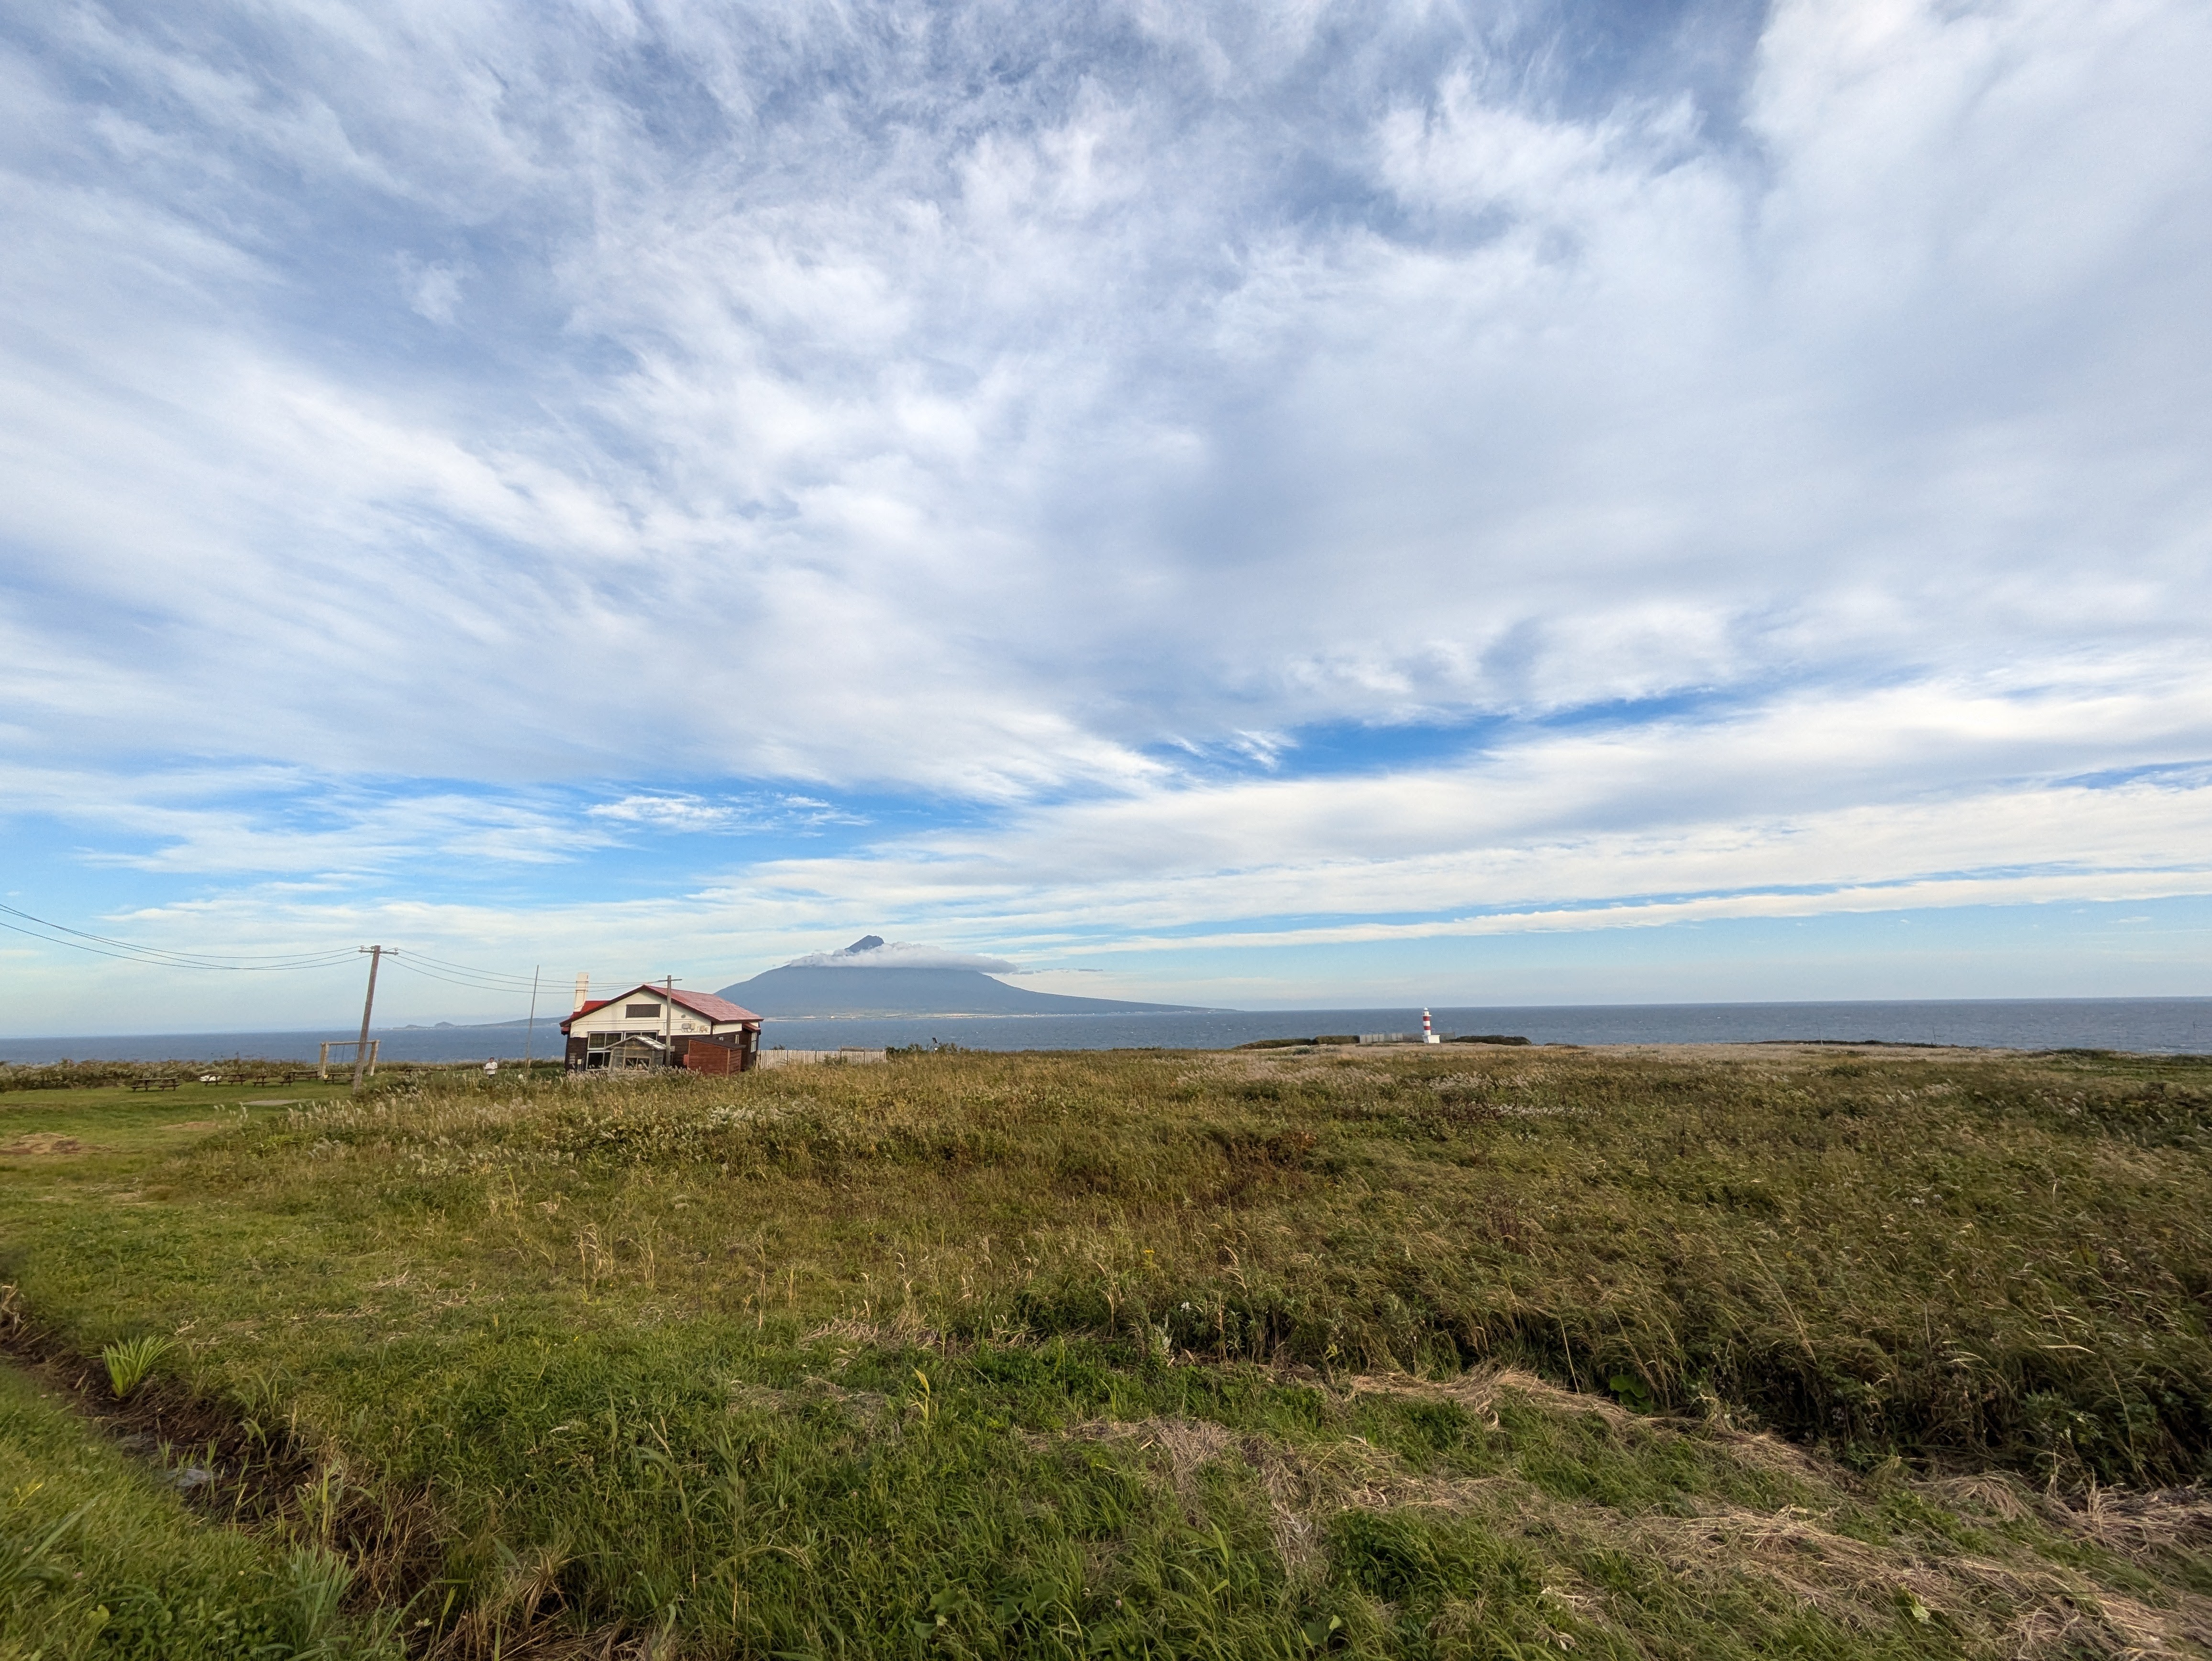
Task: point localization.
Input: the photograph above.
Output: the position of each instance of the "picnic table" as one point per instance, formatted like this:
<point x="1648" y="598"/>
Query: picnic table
<point x="153" y="1084"/>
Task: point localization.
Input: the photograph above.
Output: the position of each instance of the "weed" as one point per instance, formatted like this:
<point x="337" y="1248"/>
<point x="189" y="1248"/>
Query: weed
<point x="317" y="1581"/>
<point x="99" y="1559"/>
<point x="1485" y="1352"/>
<point x="925" y="1401"/>
<point x="131" y="1359"/>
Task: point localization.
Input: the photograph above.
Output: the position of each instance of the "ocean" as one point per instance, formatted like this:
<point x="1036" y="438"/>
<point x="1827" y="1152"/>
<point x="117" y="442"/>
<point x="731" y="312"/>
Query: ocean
<point x="2157" y="1025"/>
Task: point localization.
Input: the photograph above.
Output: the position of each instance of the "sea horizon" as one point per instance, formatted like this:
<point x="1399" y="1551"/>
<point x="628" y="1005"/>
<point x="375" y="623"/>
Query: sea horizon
<point x="2175" y="1025"/>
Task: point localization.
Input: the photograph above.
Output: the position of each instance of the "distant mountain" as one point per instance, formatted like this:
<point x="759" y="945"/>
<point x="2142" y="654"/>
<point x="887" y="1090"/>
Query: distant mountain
<point x="814" y="991"/>
<point x="850" y="982"/>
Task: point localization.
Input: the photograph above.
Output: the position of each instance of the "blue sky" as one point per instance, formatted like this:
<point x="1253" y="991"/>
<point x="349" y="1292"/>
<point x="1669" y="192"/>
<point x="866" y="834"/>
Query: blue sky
<point x="1291" y="503"/>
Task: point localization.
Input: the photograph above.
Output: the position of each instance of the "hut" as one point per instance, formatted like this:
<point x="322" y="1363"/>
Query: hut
<point x="654" y="1026"/>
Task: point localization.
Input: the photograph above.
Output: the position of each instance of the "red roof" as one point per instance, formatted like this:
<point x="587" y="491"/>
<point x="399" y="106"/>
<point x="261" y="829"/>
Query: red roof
<point x="702" y="1003"/>
<point x="714" y="1009"/>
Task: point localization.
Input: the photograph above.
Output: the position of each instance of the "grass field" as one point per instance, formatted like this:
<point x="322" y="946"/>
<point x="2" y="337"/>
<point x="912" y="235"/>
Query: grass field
<point x="1815" y="1351"/>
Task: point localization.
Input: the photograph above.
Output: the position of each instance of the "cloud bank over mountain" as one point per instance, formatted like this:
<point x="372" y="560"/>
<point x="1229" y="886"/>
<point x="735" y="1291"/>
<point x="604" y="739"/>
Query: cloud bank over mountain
<point x="1217" y="494"/>
<point x="873" y="952"/>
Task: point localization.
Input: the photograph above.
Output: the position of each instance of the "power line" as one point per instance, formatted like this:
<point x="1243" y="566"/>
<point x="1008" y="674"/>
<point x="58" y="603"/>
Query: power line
<point x="492" y="979"/>
<point x="161" y="956"/>
<point x="437" y="968"/>
<point x="456" y="980"/>
<point x="463" y="969"/>
<point x="199" y="959"/>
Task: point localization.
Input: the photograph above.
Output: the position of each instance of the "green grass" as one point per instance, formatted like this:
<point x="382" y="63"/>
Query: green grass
<point x="103" y="1074"/>
<point x="1481" y="1352"/>
<point x="128" y="1361"/>
<point x="98" y="1558"/>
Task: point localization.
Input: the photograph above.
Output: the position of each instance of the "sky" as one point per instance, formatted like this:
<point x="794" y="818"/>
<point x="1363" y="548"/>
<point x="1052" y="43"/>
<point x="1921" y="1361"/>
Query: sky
<point x="1267" y="504"/>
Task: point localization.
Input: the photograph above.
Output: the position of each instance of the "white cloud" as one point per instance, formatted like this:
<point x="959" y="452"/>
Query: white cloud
<point x="1216" y="865"/>
<point x="675" y="812"/>
<point x="1623" y="411"/>
<point x="1784" y="467"/>
<point x="671" y="811"/>
<point x="433" y="290"/>
<point x="901" y="954"/>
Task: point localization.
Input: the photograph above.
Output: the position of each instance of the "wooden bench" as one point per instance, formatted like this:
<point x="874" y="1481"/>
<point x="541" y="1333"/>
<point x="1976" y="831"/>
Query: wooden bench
<point x="153" y="1084"/>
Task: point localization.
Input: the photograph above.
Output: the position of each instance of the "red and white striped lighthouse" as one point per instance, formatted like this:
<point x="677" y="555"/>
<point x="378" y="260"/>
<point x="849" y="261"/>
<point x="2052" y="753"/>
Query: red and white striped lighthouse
<point x="1428" y="1030"/>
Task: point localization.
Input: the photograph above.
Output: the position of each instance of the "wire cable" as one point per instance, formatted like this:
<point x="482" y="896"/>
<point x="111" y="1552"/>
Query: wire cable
<point x="163" y="950"/>
<point x="401" y="960"/>
<point x="279" y="960"/>
<point x="436" y="968"/>
<point x="484" y="974"/>
<point x="161" y="956"/>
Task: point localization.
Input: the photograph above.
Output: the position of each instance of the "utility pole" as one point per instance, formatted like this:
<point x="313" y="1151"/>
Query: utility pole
<point x="667" y="1017"/>
<point x="360" y="1050"/>
<point x="530" y="1032"/>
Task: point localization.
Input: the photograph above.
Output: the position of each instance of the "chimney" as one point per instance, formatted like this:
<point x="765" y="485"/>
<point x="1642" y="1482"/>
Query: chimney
<point x="583" y="992"/>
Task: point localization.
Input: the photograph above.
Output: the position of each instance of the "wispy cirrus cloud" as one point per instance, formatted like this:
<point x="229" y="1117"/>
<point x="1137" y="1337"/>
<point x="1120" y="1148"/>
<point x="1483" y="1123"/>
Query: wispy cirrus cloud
<point x="694" y="813"/>
<point x="1109" y="477"/>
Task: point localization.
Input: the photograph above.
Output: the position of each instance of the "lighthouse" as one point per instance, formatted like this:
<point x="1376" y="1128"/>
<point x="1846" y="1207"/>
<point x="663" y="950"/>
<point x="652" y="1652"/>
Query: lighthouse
<point x="1428" y="1030"/>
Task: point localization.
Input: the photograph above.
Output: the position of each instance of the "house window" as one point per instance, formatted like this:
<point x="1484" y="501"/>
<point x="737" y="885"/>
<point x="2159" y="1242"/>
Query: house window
<point x="639" y="1012"/>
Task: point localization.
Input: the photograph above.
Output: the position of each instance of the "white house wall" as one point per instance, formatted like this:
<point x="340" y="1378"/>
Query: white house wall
<point x="683" y="1023"/>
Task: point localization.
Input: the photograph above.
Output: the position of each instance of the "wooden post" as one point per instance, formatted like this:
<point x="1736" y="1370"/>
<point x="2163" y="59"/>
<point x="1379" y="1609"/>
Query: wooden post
<point x="360" y="1051"/>
<point x="530" y="1034"/>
